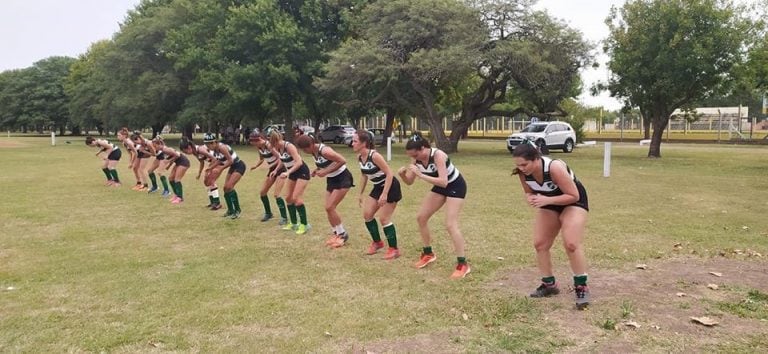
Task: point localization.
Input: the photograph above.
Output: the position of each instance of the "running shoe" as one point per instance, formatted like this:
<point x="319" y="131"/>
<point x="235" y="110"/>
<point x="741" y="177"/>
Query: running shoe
<point x="302" y="229"/>
<point x="392" y="253"/>
<point x="340" y="241"/>
<point x="374" y="247"/>
<point x="546" y="290"/>
<point x="166" y="193"/>
<point x="152" y="190"/>
<point x="582" y="297"/>
<point x="288" y="227"/>
<point x="462" y="269"/>
<point x="425" y="260"/>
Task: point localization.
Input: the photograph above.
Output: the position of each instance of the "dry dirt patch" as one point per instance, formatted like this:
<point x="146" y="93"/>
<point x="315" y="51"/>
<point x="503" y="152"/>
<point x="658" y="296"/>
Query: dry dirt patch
<point x="661" y="299"/>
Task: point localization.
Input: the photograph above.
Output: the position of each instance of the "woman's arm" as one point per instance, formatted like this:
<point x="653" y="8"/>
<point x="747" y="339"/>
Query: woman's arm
<point x="172" y="154"/>
<point x="297" y="161"/>
<point x="563" y="180"/>
<point x="227" y="155"/>
<point x="379" y="161"/>
<point x="442" y="172"/>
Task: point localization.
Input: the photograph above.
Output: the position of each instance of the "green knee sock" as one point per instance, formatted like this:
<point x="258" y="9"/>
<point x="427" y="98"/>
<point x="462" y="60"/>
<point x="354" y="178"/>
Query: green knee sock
<point x="281" y="207"/>
<point x="461" y="260"/>
<point x="580" y="280"/>
<point x="210" y="198"/>
<point x="106" y="173"/>
<point x="373" y="229"/>
<point x="164" y="180"/>
<point x="114" y="176"/>
<point x="548" y="280"/>
<point x="235" y="201"/>
<point x="153" y="179"/>
<point x="427" y="250"/>
<point x="302" y="213"/>
<point x="292" y="213"/>
<point x="173" y="188"/>
<point x="265" y="201"/>
<point x="179" y="190"/>
<point x="391" y="234"/>
<point x="228" y="199"/>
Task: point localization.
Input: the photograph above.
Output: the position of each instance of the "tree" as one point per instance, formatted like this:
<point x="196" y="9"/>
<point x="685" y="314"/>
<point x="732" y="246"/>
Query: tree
<point x="667" y="54"/>
<point x="407" y="54"/>
<point x="88" y="88"/>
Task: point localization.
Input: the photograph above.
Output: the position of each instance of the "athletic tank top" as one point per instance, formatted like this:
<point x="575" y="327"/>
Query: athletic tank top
<point x="201" y="155"/>
<point x="223" y="158"/>
<point x="370" y="169"/>
<point x="431" y="169"/>
<point x="547" y="187"/>
<point x="286" y="157"/>
<point x="322" y="162"/>
<point x="266" y="154"/>
<point x="112" y="147"/>
<point x="127" y="147"/>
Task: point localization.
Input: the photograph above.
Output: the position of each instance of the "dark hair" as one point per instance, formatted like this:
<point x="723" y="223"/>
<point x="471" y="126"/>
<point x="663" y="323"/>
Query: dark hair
<point x="365" y="136"/>
<point x="89" y="140"/>
<point x="135" y="135"/>
<point x="527" y="151"/>
<point x="416" y="142"/>
<point x="184" y="143"/>
<point x="305" y="141"/>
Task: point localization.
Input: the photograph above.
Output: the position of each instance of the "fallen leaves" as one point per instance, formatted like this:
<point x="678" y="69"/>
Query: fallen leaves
<point x="681" y="294"/>
<point x="465" y="316"/>
<point x="704" y="320"/>
<point x="717" y="274"/>
<point x="713" y="286"/>
<point x="642" y="266"/>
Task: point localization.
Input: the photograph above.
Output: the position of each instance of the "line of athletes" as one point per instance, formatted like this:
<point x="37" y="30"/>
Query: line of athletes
<point x="549" y="185"/>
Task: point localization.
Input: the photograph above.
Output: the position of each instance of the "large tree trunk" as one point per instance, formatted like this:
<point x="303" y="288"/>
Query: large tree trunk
<point x="157" y="129"/>
<point x="646" y="125"/>
<point x="388" y="123"/>
<point x="76" y="130"/>
<point x="659" y="124"/>
<point x="287" y="111"/>
<point x="62" y="130"/>
<point x="188" y="130"/>
<point x="459" y="131"/>
<point x="437" y="132"/>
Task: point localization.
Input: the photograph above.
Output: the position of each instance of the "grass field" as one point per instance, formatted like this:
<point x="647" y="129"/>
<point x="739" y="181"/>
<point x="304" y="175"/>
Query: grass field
<point x="84" y="267"/>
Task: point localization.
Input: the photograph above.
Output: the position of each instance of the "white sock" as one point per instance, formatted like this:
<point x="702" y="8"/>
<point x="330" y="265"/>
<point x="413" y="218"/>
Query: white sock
<point x="215" y="193"/>
<point x="340" y="229"/>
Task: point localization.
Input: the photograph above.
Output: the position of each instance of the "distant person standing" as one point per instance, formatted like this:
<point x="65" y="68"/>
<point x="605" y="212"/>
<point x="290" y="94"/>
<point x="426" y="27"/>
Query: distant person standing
<point x="562" y="206"/>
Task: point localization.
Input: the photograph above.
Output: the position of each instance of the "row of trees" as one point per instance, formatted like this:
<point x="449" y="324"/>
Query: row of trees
<point x="228" y="62"/>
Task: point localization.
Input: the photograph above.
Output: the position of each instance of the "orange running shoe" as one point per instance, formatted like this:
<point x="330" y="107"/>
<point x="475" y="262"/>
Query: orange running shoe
<point x="462" y="269"/>
<point x="136" y="187"/>
<point x="425" y="260"/>
<point x="331" y="239"/>
<point x="143" y="189"/>
<point x="392" y="253"/>
<point x="340" y="241"/>
<point x="374" y="247"/>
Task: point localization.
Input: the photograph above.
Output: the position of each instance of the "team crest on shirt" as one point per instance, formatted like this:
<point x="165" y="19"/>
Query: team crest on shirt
<point x="367" y="166"/>
<point x="431" y="168"/>
<point x="550" y="185"/>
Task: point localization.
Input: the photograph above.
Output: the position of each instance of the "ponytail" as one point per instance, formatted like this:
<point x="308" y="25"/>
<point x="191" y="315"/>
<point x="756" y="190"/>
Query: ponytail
<point x="366" y="137"/>
<point x="417" y="142"/>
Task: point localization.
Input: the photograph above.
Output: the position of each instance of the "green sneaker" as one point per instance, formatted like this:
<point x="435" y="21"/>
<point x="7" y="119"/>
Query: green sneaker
<point x="289" y="227"/>
<point x="302" y="229"/>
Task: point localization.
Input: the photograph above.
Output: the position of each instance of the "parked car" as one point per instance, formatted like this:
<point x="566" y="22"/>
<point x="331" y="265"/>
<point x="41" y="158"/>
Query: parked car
<point x="546" y="135"/>
<point x="337" y="133"/>
<point x="378" y="137"/>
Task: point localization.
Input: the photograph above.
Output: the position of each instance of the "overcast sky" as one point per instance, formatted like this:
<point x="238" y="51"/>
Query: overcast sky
<point x="31" y="30"/>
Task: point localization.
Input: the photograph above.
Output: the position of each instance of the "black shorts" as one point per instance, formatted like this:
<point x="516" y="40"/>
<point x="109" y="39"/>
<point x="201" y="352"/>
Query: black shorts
<point x="143" y="155"/>
<point x="455" y="189"/>
<point x="115" y="155"/>
<point x="272" y="169"/>
<point x="582" y="203"/>
<point x="343" y="181"/>
<point x="301" y="173"/>
<point x="182" y="161"/>
<point x="394" y="196"/>
<point x="238" y="167"/>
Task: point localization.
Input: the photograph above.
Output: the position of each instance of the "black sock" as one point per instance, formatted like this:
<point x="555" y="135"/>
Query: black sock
<point x="548" y="280"/>
<point x="427" y="250"/>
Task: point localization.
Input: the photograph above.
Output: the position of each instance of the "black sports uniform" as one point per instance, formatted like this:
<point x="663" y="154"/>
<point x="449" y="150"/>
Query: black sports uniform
<point x="456" y="188"/>
<point x="550" y="189"/>
<point x="237" y="164"/>
<point x="339" y="179"/>
<point x="378" y="178"/>
<point x="287" y="159"/>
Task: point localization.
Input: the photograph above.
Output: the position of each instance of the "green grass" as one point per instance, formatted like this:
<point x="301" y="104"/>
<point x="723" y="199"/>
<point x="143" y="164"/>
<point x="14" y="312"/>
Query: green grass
<point x="100" y="269"/>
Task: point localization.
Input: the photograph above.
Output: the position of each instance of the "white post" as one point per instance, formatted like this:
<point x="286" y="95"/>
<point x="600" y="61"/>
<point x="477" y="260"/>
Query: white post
<point x="607" y="160"/>
<point x="389" y="148"/>
<point x="53" y="138"/>
<point x="9" y="133"/>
